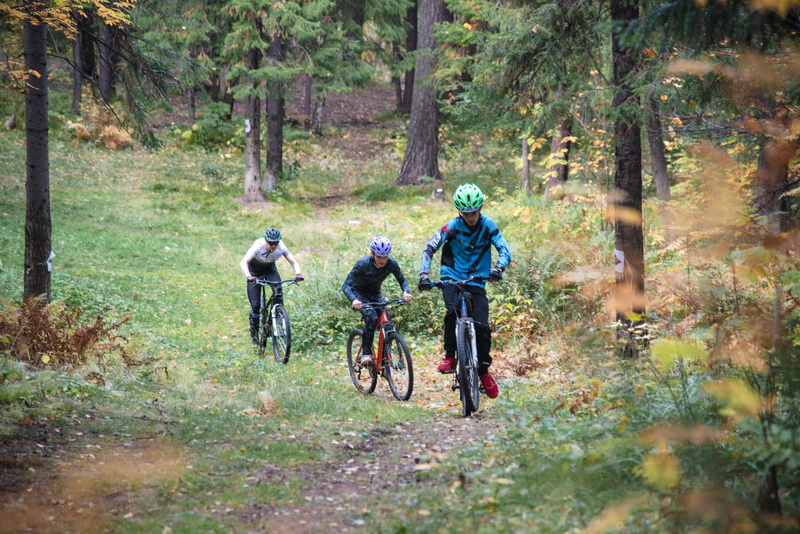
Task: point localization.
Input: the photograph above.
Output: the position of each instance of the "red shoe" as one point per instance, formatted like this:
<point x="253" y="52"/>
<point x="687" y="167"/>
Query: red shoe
<point x="448" y="365"/>
<point x="489" y="386"/>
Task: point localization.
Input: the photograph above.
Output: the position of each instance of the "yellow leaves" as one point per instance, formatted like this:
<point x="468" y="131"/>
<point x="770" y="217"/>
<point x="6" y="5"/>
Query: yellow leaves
<point x="741" y="401"/>
<point x="781" y="7"/>
<point x="467" y="26"/>
<point x="613" y="517"/>
<point x="661" y="470"/>
<point x="624" y="215"/>
<point x="649" y="53"/>
<point x="666" y="351"/>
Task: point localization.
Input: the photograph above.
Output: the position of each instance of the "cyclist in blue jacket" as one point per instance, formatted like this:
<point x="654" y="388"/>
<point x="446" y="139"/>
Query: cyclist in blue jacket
<point x="466" y="243"/>
<point x="363" y="284"/>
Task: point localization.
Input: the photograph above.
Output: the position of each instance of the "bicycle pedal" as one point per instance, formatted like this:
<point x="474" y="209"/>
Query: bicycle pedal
<point x="450" y="372"/>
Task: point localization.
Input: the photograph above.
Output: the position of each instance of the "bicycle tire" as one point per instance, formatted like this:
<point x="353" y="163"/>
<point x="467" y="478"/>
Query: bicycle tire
<point x="397" y="367"/>
<point x="467" y="370"/>
<point x="281" y="334"/>
<point x="364" y="378"/>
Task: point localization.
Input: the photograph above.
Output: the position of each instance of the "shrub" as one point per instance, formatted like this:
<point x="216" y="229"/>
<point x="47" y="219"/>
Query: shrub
<point x="58" y="335"/>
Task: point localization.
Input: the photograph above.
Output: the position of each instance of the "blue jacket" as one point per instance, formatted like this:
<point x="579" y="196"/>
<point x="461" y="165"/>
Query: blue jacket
<point x="365" y="280"/>
<point x="466" y="251"/>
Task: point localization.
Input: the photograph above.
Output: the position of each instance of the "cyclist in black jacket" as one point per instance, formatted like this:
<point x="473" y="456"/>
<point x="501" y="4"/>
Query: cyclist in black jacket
<point x="363" y="284"/>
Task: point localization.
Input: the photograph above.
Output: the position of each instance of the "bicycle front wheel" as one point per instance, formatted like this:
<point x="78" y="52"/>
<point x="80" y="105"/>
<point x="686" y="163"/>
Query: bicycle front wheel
<point x="364" y="378"/>
<point x="397" y="367"/>
<point x="281" y="335"/>
<point x="467" y="369"/>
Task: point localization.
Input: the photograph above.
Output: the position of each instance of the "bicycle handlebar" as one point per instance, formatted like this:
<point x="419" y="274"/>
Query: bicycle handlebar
<point x="265" y="282"/>
<point x="391" y="302"/>
<point x="476" y="278"/>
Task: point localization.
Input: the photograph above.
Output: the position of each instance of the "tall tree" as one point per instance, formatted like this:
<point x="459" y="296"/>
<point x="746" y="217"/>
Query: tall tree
<point x="37" y="178"/>
<point x="422" y="149"/>
<point x="629" y="239"/>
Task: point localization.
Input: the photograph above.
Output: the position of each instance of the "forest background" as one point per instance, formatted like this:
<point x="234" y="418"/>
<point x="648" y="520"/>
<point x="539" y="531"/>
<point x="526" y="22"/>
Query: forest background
<point x="640" y="157"/>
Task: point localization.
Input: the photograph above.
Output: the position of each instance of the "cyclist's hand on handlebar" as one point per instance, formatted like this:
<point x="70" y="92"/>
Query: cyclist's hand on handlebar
<point x="357" y="304"/>
<point x="424" y="283"/>
<point x="407" y="297"/>
<point x="298" y="277"/>
<point x="251" y="279"/>
<point x="496" y="274"/>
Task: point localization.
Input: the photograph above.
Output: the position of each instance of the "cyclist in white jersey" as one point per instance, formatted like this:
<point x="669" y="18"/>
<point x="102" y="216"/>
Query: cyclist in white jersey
<point x="259" y="262"/>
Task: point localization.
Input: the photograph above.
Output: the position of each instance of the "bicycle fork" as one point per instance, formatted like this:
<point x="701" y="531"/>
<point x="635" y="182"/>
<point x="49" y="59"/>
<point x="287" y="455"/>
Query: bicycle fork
<point x="474" y="360"/>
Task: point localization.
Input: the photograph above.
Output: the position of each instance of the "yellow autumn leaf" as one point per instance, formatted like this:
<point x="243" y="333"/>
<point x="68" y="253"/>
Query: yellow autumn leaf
<point x="625" y="215"/>
<point x="781" y="7"/>
<point x="661" y="470"/>
<point x="740" y="399"/>
<point x="467" y="26"/>
<point x="45" y="358"/>
<point x="666" y="351"/>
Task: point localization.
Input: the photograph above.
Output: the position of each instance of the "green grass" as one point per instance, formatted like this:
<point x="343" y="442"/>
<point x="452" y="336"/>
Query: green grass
<point x="159" y="235"/>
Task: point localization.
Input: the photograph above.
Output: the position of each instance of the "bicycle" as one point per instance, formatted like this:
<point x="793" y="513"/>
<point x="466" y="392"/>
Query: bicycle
<point x="392" y="359"/>
<point x="465" y="379"/>
<point x="274" y="322"/>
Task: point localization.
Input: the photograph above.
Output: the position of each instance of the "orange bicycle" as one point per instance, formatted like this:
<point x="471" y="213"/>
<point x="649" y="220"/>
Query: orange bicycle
<point x="392" y="359"/>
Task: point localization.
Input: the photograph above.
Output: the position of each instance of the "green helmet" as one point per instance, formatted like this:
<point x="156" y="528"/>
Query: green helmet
<point x="467" y="198"/>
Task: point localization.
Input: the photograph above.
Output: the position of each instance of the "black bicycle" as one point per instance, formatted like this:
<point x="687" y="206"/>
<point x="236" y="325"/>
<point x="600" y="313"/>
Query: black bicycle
<point x="465" y="379"/>
<point x="274" y="323"/>
<point x="392" y="359"/>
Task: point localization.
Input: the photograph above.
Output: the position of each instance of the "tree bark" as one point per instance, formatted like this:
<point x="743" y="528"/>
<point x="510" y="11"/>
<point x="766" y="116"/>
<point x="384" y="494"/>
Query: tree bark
<point x="411" y="46"/>
<point x="252" y="139"/>
<point x="318" y="115"/>
<point x="275" y="116"/>
<point x="560" y="145"/>
<point x="526" y="166"/>
<point x="36" y="277"/>
<point x="422" y="149"/>
<point x="309" y="86"/>
<point x="77" y="66"/>
<point x="629" y="242"/>
<point x="191" y="98"/>
<point x="658" y="162"/>
<point x="108" y="63"/>
<point x="772" y="181"/>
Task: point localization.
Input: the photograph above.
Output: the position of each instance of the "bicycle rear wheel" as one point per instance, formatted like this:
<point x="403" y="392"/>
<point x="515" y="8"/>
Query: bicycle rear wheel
<point x="281" y="335"/>
<point x="467" y="370"/>
<point x="397" y="367"/>
<point x="263" y="332"/>
<point x="364" y="378"/>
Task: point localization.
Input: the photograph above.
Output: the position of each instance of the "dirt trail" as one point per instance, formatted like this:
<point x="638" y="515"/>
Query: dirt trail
<point x="345" y="492"/>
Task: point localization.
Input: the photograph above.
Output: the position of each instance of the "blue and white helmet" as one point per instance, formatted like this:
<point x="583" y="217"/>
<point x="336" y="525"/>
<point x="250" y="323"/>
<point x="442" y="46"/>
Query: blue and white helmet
<point x="381" y="246"/>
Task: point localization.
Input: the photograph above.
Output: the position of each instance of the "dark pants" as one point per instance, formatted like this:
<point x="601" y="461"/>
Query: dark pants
<point x="480" y="313"/>
<point x="370" y="322"/>
<point x="254" y="290"/>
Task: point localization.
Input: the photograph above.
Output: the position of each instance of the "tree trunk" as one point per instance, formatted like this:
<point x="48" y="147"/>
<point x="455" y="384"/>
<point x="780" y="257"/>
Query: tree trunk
<point x="307" y="101"/>
<point x="108" y="63"/>
<point x="275" y="115"/>
<point x="191" y="98"/>
<point x="252" y="139"/>
<point x="629" y="243"/>
<point x="560" y="145"/>
<point x="77" y="65"/>
<point x="772" y="181"/>
<point x="422" y="149"/>
<point x="526" y="166"/>
<point x="411" y="46"/>
<point x="317" y="117"/>
<point x="658" y="162"/>
<point x="398" y="93"/>
<point x="36" y="278"/>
